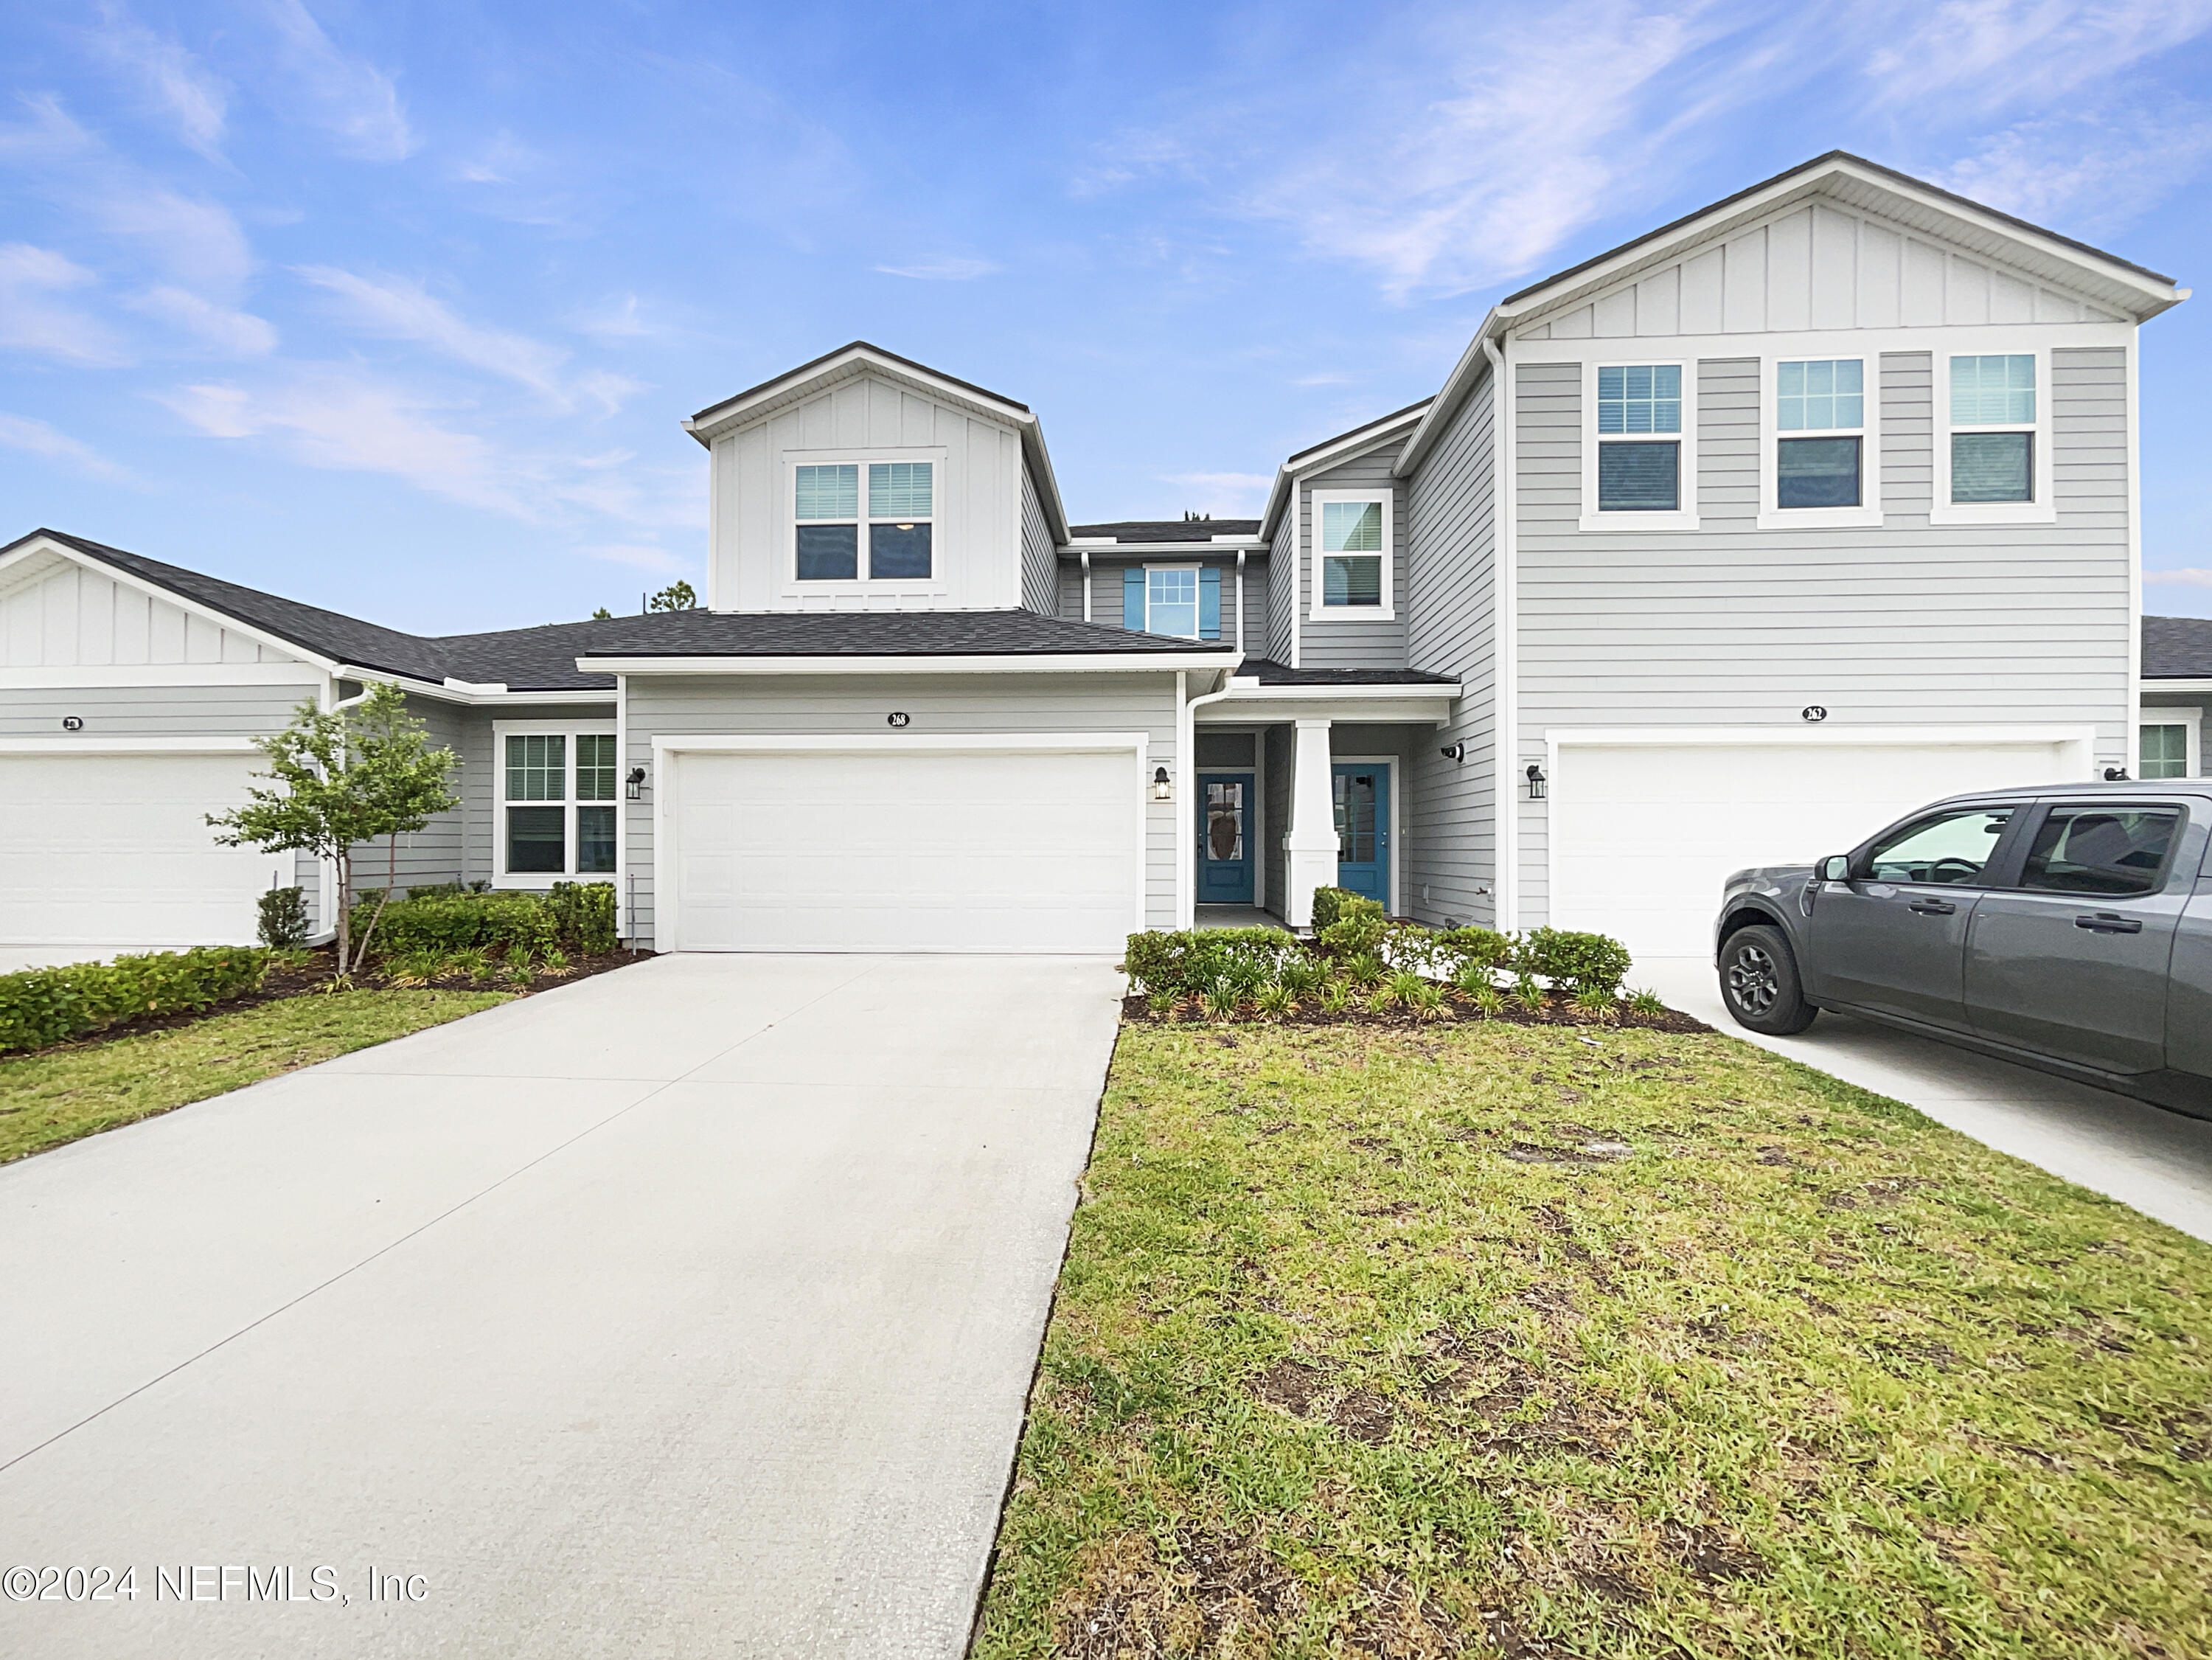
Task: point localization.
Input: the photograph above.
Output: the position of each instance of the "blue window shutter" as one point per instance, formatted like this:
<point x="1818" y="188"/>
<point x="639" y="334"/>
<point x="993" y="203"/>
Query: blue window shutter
<point x="1209" y="604"/>
<point x="1132" y="597"/>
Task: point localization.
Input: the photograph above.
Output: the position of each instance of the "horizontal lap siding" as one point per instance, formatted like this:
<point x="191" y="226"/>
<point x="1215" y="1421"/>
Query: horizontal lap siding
<point x="1283" y="583"/>
<point x="1451" y="572"/>
<point x="1258" y="585"/>
<point x="478" y="787"/>
<point x="675" y="706"/>
<point x="1909" y="624"/>
<point x="1350" y="641"/>
<point x="436" y="853"/>
<point x="1040" y="577"/>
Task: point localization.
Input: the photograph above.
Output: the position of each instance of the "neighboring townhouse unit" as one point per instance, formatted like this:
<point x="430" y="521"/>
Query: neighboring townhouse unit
<point x="1722" y="548"/>
<point x="2177" y="683"/>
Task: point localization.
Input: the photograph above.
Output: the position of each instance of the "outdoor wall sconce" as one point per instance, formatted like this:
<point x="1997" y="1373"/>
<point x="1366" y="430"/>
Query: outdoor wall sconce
<point x="1161" y="789"/>
<point x="1454" y="751"/>
<point x="1535" y="782"/>
<point x="636" y="783"/>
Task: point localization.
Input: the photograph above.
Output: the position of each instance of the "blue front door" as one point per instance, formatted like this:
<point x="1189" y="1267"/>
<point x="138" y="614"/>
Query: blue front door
<point x="1224" y="838"/>
<point x="1363" y="827"/>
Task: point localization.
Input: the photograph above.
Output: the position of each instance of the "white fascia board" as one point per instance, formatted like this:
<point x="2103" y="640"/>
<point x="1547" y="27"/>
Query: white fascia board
<point x="1040" y="460"/>
<point x="1334" y="453"/>
<point x="451" y="691"/>
<point x="723" y="417"/>
<point x="2154" y="686"/>
<point x="221" y="619"/>
<point x="1256" y="690"/>
<point x="81" y="745"/>
<point x="1472" y="364"/>
<point x="1141" y="550"/>
<point x="163" y="674"/>
<point x="1042" y="663"/>
<point x="832" y="743"/>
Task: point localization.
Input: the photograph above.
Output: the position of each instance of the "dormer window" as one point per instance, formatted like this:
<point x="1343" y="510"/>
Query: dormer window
<point x="900" y="520"/>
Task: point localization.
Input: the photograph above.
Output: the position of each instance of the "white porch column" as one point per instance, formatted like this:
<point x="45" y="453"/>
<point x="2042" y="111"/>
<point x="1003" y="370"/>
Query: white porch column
<point x="1310" y="848"/>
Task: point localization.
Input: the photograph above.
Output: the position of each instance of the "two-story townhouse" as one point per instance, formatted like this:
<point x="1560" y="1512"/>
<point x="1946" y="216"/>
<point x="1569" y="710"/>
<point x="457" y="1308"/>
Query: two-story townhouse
<point x="1724" y="546"/>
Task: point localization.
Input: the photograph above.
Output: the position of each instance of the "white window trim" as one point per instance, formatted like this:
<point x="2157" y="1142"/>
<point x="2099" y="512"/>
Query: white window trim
<point x="2182" y="715"/>
<point x="788" y="537"/>
<point x="1942" y="509"/>
<point x="1684" y="517"/>
<point x="1197" y="603"/>
<point x="538" y="881"/>
<point x="1387" y="611"/>
<point x="1771" y="514"/>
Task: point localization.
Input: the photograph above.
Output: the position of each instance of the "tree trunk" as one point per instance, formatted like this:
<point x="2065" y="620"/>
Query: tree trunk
<point x="344" y="862"/>
<point x="390" y="876"/>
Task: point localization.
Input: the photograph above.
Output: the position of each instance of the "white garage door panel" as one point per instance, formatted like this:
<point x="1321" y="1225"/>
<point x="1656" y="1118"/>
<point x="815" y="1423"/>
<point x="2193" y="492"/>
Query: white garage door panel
<point x="112" y="852"/>
<point x="1644" y="835"/>
<point x="928" y="851"/>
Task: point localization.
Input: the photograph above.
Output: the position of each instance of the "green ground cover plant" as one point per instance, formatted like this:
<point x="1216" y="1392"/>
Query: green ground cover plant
<point x="1536" y="1341"/>
<point x="62" y="1094"/>
<point x="38" y="1007"/>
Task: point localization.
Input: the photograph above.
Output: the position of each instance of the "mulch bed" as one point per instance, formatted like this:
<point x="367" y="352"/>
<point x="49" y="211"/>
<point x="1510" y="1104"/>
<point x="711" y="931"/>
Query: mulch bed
<point x="1137" y="1011"/>
<point x="283" y="981"/>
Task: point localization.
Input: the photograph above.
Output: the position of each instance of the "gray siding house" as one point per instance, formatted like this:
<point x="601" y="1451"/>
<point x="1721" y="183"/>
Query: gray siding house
<point x="1724" y="547"/>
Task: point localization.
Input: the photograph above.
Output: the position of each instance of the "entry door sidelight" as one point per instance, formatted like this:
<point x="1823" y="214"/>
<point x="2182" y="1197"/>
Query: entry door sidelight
<point x="1224" y="838"/>
<point x="1894" y="938"/>
<point x="1363" y="828"/>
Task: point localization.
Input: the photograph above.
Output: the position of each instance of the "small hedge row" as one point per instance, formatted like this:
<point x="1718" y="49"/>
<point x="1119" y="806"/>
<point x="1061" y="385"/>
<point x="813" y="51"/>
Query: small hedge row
<point x="576" y="916"/>
<point x="38" y="1007"/>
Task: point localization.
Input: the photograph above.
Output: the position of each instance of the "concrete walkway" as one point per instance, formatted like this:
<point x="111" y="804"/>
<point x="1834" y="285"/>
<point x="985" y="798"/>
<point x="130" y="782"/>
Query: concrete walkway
<point x="687" y="1310"/>
<point x="2159" y="1162"/>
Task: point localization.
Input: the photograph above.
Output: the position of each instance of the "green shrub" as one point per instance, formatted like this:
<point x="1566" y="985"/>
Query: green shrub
<point x="583" y="917"/>
<point x="1276" y="1000"/>
<point x="1357" y="928"/>
<point x="40" y="1006"/>
<point x="284" y="918"/>
<point x="448" y="890"/>
<point x="1480" y="948"/>
<point x="1328" y="905"/>
<point x="1645" y="1002"/>
<point x="1576" y="962"/>
<point x="1199" y="960"/>
<point x="1336" y="997"/>
<point x="447" y="924"/>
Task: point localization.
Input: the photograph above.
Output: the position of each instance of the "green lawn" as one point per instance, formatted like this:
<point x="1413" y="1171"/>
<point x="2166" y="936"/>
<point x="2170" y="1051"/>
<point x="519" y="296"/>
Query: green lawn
<point x="48" y="1099"/>
<point x="1538" y="1341"/>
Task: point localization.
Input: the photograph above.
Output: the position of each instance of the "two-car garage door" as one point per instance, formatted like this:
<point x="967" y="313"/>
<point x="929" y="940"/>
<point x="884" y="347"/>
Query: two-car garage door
<point x="1645" y="833"/>
<point x="100" y="853"/>
<point x="904" y="848"/>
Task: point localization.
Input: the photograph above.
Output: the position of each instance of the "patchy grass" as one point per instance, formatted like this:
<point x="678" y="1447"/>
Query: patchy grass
<point x="75" y="1090"/>
<point x="1533" y="1342"/>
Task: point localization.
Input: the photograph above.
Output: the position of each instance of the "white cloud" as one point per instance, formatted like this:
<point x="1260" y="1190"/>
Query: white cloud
<point x="1981" y="56"/>
<point x="33" y="320"/>
<point x="399" y="310"/>
<point x="617" y="319"/>
<point x="2084" y="172"/>
<point x="20" y="432"/>
<point x="941" y="268"/>
<point x="638" y="555"/>
<point x="348" y="96"/>
<point x="2186" y="577"/>
<point x="233" y="333"/>
<point x="171" y="77"/>
<point x="1226" y="495"/>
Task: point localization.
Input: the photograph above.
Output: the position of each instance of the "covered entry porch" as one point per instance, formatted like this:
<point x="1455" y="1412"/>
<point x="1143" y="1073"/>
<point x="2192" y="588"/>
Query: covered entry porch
<point x="1306" y="783"/>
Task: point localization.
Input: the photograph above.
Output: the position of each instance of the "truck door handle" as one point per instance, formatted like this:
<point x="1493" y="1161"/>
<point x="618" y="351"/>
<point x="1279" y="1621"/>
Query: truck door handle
<point x="2105" y="922"/>
<point x="1934" y="907"/>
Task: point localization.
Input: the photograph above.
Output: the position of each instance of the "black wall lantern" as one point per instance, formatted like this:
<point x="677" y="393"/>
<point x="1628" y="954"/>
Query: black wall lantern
<point x="635" y="784"/>
<point x="1454" y="751"/>
<point x="1536" y="781"/>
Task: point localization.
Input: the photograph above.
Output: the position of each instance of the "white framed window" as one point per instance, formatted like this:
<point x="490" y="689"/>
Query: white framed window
<point x="1171" y="600"/>
<point x="1992" y="437"/>
<point x="1639" y="446"/>
<point x="1821" y="443"/>
<point x="2169" y="743"/>
<point x="1354" y="543"/>
<point x="558" y="785"/>
<point x="864" y="520"/>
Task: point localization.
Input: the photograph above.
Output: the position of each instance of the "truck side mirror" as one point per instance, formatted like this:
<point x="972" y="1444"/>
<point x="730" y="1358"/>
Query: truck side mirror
<point x="1836" y="868"/>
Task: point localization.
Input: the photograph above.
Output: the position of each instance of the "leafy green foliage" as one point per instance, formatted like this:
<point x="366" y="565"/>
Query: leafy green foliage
<point x="1329" y="905"/>
<point x="1192" y="962"/>
<point x="1480" y="948"/>
<point x="38" y="1007"/>
<point x="678" y="595"/>
<point x="1358" y="930"/>
<point x="583" y="917"/>
<point x="1578" y="962"/>
<point x="505" y="922"/>
<point x="284" y="918"/>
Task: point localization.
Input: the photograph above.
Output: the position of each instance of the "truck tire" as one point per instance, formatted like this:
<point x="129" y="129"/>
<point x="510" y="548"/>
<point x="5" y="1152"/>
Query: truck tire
<point x="1759" y="982"/>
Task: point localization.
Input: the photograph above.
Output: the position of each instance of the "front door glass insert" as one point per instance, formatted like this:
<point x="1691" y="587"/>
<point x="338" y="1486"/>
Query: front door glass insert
<point x="1355" y="817"/>
<point x="1224" y="821"/>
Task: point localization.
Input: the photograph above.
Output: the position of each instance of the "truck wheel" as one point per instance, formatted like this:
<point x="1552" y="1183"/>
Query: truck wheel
<point x="1759" y="984"/>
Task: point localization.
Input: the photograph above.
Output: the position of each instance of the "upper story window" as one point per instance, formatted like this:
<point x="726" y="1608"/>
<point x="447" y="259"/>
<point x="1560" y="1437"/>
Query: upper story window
<point x="1639" y="451"/>
<point x="1993" y="428"/>
<point x="827" y="499"/>
<point x="1827" y="396"/>
<point x="1183" y="601"/>
<point x="556" y="803"/>
<point x="1352" y="553"/>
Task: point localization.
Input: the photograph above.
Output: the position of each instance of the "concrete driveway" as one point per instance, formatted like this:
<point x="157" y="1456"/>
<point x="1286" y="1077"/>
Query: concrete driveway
<point x="2159" y="1162"/>
<point x="690" y="1310"/>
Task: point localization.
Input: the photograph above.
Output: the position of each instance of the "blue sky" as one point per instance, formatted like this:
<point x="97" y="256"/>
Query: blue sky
<point x="396" y="308"/>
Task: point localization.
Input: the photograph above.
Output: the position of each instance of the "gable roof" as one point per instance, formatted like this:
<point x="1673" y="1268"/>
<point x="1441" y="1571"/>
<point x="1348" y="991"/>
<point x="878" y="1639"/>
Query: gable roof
<point x="2177" y="648"/>
<point x="1167" y="530"/>
<point x="2132" y="290"/>
<point x="1332" y="451"/>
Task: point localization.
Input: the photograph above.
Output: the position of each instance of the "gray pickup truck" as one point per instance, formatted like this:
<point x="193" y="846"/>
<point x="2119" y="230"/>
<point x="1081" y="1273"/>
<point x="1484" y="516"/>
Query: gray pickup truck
<point x="2068" y="927"/>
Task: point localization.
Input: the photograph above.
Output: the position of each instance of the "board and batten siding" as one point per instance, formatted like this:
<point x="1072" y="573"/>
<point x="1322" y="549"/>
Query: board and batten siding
<point x="1821" y="266"/>
<point x="1450" y="532"/>
<point x="976" y="546"/>
<point x="1901" y="624"/>
<point x="683" y="705"/>
<point x="1350" y="639"/>
<point x="76" y="618"/>
<point x="1040" y="580"/>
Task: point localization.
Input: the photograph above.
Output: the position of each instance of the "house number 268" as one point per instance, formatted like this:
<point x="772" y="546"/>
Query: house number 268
<point x="900" y="717"/>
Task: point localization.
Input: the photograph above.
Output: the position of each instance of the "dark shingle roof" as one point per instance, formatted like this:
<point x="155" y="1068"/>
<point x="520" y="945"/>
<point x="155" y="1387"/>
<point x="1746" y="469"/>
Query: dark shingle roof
<point x="1166" y="530"/>
<point x="1270" y="673"/>
<point x="2177" y="649"/>
<point x="857" y="345"/>
<point x="872" y="634"/>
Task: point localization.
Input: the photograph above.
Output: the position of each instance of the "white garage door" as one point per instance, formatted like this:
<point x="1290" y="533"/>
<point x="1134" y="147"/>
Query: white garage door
<point x="108" y="853"/>
<point x="910" y="850"/>
<point x="1643" y="835"/>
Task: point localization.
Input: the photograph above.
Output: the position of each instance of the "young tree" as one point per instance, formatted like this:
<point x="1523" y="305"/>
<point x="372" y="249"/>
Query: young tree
<point x="344" y="777"/>
<point x="678" y="596"/>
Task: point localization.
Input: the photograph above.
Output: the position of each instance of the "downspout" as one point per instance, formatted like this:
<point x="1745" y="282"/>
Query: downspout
<point x="1298" y="574"/>
<point x="1240" y="600"/>
<point x="1504" y="652"/>
<point x="1086" y="585"/>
